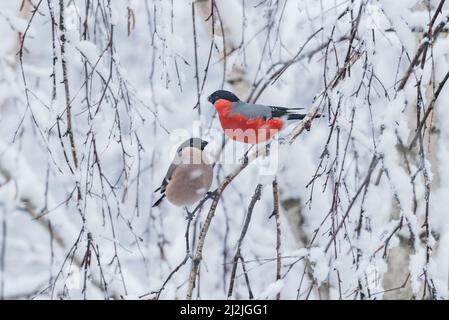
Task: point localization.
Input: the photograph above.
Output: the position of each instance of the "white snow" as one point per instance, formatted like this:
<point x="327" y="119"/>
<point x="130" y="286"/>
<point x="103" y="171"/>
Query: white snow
<point x="272" y="290"/>
<point x="320" y="264"/>
<point x="89" y="51"/>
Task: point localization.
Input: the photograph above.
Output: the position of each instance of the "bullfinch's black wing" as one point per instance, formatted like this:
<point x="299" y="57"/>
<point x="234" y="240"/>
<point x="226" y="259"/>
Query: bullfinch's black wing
<point x="164" y="184"/>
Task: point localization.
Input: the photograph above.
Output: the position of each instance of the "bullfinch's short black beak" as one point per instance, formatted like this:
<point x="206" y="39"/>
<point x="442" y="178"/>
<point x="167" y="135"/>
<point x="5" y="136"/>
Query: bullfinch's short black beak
<point x="203" y="144"/>
<point x="210" y="99"/>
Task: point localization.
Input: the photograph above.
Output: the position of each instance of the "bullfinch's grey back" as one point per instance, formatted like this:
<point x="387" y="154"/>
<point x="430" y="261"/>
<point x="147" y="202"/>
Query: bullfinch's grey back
<point x="189" y="177"/>
<point x="251" y="111"/>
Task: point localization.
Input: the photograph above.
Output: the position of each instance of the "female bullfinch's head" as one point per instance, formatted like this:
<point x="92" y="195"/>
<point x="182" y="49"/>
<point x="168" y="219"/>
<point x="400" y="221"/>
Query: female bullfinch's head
<point x="222" y="94"/>
<point x="191" y="152"/>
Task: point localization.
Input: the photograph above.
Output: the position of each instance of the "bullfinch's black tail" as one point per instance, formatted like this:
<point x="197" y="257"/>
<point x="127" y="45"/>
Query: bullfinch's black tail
<point x="289" y="113"/>
<point x="158" y="201"/>
<point x="297" y="116"/>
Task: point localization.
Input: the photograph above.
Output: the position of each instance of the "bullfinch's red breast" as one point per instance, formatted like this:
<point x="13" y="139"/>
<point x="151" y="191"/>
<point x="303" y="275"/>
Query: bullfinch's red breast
<point x="189" y="176"/>
<point x="250" y="123"/>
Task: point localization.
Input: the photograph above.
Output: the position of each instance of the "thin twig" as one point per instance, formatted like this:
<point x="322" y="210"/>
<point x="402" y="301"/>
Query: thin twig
<point x="278" y="231"/>
<point x="237" y="255"/>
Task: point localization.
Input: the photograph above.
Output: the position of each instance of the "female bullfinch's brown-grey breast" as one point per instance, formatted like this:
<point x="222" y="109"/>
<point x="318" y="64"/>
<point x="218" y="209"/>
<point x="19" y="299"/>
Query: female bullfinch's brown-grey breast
<point x="189" y="176"/>
<point x="189" y="183"/>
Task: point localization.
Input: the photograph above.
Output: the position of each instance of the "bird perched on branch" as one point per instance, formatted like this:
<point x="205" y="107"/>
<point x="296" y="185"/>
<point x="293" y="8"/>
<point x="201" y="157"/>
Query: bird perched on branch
<point x="189" y="176"/>
<point x="250" y="123"/>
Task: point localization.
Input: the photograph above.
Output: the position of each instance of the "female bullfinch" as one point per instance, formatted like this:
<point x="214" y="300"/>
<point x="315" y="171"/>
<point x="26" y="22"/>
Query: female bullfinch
<point x="189" y="176"/>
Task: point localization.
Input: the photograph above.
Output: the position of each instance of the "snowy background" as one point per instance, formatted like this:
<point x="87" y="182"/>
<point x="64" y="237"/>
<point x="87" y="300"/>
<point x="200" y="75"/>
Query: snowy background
<point x="92" y="98"/>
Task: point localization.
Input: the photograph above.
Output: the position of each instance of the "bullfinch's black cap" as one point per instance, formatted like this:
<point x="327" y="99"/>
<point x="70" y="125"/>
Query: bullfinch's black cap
<point x="222" y="94"/>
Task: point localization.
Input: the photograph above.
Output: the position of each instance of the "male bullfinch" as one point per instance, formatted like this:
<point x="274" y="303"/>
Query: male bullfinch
<point x="250" y="123"/>
<point x="189" y="176"/>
